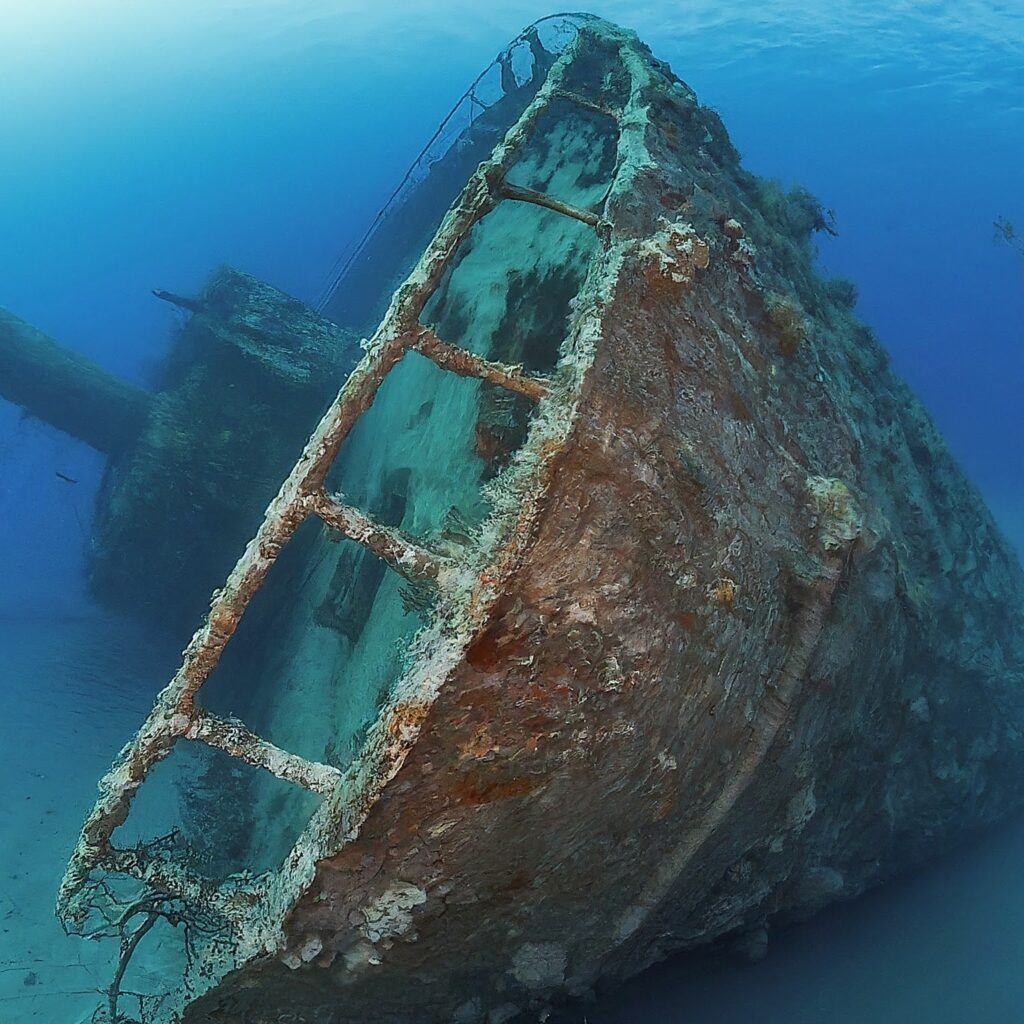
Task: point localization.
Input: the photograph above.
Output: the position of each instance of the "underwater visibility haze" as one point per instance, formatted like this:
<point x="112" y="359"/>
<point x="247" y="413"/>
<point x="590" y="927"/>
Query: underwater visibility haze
<point x="230" y="158"/>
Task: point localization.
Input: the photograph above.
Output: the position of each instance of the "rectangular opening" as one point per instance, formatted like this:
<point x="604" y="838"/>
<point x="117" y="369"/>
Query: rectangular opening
<point x="417" y="459"/>
<point x="570" y="156"/>
<point x="228" y="815"/>
<point x="320" y="647"/>
<point x="508" y="294"/>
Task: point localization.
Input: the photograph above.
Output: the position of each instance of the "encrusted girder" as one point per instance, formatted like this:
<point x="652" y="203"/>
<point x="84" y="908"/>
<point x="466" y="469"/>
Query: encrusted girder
<point x="519" y="194"/>
<point x="407" y="558"/>
<point x="236" y="739"/>
<point x="230" y="900"/>
<point x="595" y="106"/>
<point x="466" y="364"/>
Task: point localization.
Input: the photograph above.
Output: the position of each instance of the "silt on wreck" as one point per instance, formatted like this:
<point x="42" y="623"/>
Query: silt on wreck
<point x="642" y="609"/>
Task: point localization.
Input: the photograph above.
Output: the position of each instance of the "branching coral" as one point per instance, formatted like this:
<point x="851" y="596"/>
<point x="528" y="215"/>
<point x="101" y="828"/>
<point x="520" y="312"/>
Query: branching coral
<point x="129" y="916"/>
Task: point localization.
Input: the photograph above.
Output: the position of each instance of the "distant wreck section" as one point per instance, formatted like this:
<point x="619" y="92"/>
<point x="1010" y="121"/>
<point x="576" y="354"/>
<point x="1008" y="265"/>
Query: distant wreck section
<point x="193" y="464"/>
<point x="628" y="603"/>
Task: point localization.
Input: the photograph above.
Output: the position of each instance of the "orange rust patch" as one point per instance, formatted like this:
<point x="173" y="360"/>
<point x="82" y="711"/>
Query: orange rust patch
<point x="661" y="286"/>
<point x="486" y="652"/>
<point x="546" y="694"/>
<point x="538" y="723"/>
<point x="475" y="790"/>
<point x="550" y="447"/>
<point x="489" y="579"/>
<point x="688" y="620"/>
<point x="478" y="745"/>
<point x="406" y="717"/>
<point x="723" y="592"/>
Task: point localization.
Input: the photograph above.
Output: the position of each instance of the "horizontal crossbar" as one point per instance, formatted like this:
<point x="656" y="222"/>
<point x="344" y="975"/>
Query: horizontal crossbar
<point x="466" y="364"/>
<point x="407" y="558"/>
<point x="529" y="195"/>
<point x="587" y="104"/>
<point x="236" y="739"/>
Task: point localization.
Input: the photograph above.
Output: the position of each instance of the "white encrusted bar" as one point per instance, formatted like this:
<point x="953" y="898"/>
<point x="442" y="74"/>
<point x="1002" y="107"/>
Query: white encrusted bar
<point x="466" y="364"/>
<point x="236" y="739"/>
<point x="528" y="195"/>
<point x="587" y="104"/>
<point x="231" y="901"/>
<point x="403" y="555"/>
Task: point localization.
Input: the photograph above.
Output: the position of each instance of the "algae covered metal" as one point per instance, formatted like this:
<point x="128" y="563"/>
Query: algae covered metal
<point x="192" y="462"/>
<point x="692" y="627"/>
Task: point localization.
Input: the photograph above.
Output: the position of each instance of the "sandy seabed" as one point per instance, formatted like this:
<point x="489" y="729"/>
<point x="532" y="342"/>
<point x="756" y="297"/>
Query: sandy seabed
<point x="74" y="690"/>
<point x="941" y="947"/>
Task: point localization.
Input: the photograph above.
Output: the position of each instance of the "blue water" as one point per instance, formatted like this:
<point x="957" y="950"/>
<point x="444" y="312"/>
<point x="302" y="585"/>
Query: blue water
<point x="143" y="144"/>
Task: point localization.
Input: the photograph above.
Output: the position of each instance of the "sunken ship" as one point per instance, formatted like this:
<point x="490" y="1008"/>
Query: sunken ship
<point x="622" y="602"/>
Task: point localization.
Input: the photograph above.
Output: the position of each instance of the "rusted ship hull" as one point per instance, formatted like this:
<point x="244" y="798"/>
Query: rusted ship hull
<point x="736" y="640"/>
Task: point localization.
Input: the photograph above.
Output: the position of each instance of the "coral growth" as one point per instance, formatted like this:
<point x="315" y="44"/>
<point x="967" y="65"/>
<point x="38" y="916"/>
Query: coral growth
<point x="842" y="291"/>
<point x="789" y="323"/>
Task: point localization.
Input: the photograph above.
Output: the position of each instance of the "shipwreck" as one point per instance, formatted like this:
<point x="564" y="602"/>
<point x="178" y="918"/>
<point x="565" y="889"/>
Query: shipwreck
<point x="622" y="602"/>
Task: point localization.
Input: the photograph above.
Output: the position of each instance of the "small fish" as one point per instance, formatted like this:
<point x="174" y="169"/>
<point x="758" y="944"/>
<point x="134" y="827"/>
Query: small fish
<point x="69" y="479"/>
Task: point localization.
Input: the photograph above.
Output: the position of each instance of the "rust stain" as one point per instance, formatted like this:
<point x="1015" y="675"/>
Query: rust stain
<point x="488" y="444"/>
<point x="538" y="723"/>
<point x="480" y="744"/>
<point x="475" y="790"/>
<point x="674" y="200"/>
<point x="407" y="717"/>
<point x="723" y="592"/>
<point x="661" y="287"/>
<point x="546" y="694"/>
<point x="550" y="447"/>
<point x="519" y="881"/>
<point x="486" y="652"/>
<point x="740" y="409"/>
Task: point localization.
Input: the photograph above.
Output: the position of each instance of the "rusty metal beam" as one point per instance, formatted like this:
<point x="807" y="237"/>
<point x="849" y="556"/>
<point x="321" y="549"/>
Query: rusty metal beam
<point x="528" y="195"/>
<point x="406" y="557"/>
<point x="593" y="105"/>
<point x="466" y="364"/>
<point x="234" y="738"/>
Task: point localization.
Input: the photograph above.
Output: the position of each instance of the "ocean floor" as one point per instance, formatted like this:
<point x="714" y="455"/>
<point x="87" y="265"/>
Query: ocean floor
<point x="75" y="689"/>
<point x="942" y="947"/>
